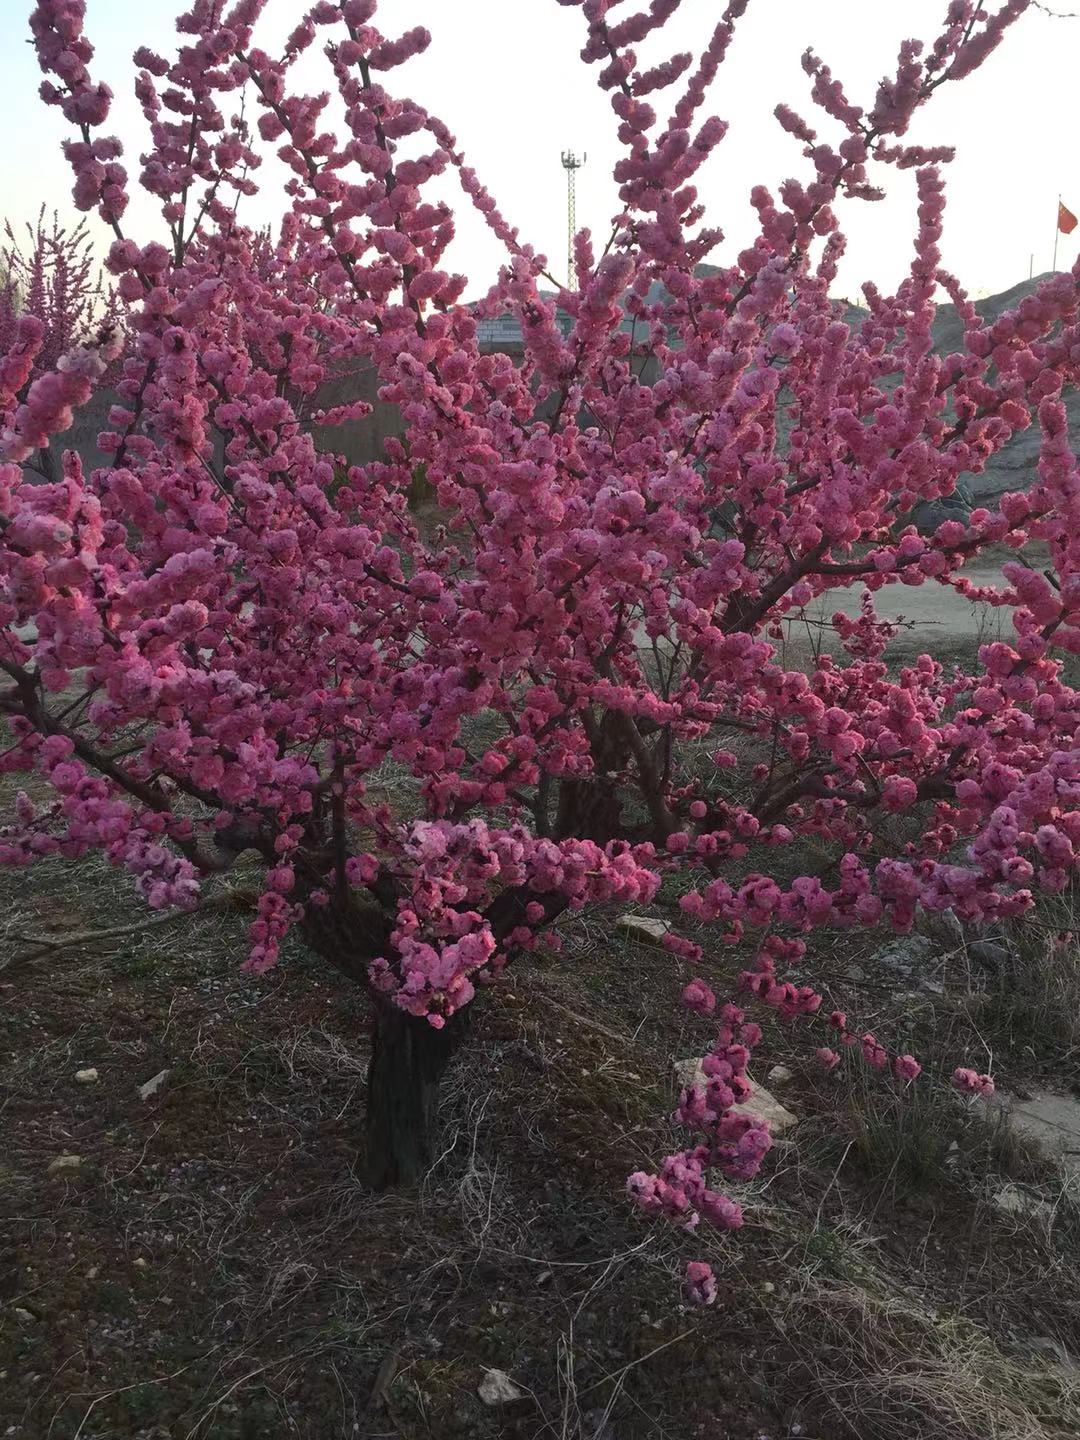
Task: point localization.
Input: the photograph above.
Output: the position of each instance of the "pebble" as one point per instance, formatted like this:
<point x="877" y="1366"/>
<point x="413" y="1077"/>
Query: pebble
<point x="1012" y="1200"/>
<point x="496" y="1388"/>
<point x="153" y="1085"/>
<point x="64" y="1164"/>
<point x="643" y="928"/>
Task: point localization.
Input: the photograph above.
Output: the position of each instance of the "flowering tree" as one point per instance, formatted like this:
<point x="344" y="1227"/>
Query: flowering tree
<point x="49" y="282"/>
<point x="213" y="642"/>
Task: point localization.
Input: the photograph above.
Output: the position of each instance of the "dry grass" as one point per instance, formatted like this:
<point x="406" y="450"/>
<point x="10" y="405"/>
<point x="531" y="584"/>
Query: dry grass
<point x="882" y="1365"/>
<point x="280" y="1297"/>
<point x="1032" y="1001"/>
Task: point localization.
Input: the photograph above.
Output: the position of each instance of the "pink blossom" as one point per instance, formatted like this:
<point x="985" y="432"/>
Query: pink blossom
<point x="699" y="1285"/>
<point x="906" y="1067"/>
<point x="972" y="1083"/>
<point x="697" y="996"/>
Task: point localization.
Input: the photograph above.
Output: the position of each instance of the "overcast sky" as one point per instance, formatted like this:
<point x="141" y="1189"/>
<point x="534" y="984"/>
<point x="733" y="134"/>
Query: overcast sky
<point x="506" y="77"/>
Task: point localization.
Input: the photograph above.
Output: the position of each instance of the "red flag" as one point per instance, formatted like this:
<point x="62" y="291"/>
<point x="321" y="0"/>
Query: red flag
<point x="1067" y="221"/>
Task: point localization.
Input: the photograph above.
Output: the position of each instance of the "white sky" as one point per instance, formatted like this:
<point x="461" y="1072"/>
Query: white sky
<point x="506" y="77"/>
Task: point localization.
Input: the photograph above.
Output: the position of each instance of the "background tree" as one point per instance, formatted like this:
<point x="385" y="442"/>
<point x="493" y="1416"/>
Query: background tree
<point x="50" y="278"/>
<point x="214" y="643"/>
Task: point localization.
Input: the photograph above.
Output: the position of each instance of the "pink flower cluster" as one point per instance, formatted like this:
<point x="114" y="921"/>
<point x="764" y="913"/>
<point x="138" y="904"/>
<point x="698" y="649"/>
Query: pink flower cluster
<point x="734" y="1144"/>
<point x="970" y="1082"/>
<point x="445" y="939"/>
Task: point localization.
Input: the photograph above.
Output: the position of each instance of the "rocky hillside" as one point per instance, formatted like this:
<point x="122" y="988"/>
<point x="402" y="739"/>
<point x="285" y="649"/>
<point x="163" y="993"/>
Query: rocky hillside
<point x="1013" y="468"/>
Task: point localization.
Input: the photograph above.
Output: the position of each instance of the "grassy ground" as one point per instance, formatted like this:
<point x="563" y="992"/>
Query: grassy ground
<point x="213" y="1267"/>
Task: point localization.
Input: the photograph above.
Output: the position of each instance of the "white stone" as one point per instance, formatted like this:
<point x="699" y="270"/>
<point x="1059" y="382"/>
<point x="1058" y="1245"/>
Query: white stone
<point x="1012" y="1200"/>
<point x="86" y="1077"/>
<point x="153" y="1085"/>
<point x="780" y="1075"/>
<point x="766" y="1107"/>
<point x="24" y="1315"/>
<point x="761" y="1103"/>
<point x="643" y="928"/>
<point x="1052" y="1120"/>
<point x="689" y="1072"/>
<point x="496" y="1388"/>
<point x="64" y="1164"/>
<point x="904" y="954"/>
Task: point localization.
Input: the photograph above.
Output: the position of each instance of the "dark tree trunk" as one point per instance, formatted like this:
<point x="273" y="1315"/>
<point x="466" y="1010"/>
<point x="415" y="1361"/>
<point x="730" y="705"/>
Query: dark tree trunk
<point x="408" y="1060"/>
<point x="590" y="808"/>
<point x="409" y="1056"/>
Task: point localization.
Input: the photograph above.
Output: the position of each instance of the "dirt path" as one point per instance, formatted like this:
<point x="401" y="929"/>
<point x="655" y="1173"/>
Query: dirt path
<point x="935" y="617"/>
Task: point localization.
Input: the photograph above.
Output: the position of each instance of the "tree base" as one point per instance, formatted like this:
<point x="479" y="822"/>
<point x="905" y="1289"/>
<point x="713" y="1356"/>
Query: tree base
<point x="408" y="1060"/>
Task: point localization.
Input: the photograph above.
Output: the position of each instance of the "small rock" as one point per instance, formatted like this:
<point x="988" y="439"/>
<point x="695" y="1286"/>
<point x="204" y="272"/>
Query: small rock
<point x="496" y="1388"/>
<point x="1052" y="1121"/>
<point x="86" y="1077"/>
<point x="761" y="1102"/>
<point x="953" y="929"/>
<point x="141" y="1263"/>
<point x="643" y="928"/>
<point x="989" y="953"/>
<point x="780" y="1075"/>
<point x="1012" y="1200"/>
<point x="65" y="1164"/>
<point x="24" y="1315"/>
<point x="766" y="1107"/>
<point x="153" y="1085"/>
<point x="903" y="955"/>
<point x="92" y="1273"/>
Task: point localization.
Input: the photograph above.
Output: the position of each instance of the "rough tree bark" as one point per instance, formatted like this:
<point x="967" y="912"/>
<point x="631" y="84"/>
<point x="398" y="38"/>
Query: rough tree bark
<point x="409" y="1056"/>
<point x="408" y="1060"/>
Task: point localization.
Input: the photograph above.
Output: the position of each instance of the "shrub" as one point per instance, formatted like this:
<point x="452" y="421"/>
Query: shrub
<point x="213" y="642"/>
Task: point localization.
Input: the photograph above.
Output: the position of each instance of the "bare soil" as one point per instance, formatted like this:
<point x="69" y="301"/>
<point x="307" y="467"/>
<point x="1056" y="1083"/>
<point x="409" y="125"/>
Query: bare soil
<point x="214" y="1267"/>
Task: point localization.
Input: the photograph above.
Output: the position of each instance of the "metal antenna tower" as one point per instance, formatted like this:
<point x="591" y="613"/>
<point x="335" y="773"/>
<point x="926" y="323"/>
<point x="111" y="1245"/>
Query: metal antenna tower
<point x="571" y="164"/>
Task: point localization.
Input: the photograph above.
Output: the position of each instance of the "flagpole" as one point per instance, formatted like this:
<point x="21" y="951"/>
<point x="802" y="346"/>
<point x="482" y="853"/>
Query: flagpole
<point x="1057" y="227"/>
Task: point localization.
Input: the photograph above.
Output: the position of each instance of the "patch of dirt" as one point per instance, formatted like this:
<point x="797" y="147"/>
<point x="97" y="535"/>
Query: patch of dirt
<point x="214" y="1267"/>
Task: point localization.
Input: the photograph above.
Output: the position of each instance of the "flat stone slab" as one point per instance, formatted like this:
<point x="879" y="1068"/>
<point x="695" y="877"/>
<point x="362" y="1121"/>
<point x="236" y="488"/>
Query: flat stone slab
<point x="643" y="928"/>
<point x="1053" y="1120"/>
<point x="762" y="1103"/>
<point x="1015" y="1202"/>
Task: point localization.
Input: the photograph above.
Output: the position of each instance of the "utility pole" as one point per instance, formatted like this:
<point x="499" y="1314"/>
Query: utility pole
<point x="571" y="164"/>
